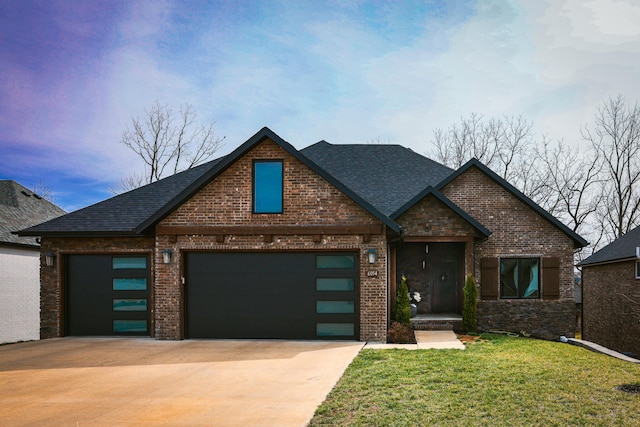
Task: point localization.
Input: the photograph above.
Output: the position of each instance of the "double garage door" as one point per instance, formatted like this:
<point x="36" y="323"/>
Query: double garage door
<point x="272" y="295"/>
<point x="284" y="295"/>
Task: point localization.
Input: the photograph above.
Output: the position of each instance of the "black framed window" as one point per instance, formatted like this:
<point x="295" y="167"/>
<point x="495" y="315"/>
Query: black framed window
<point x="267" y="186"/>
<point x="520" y="278"/>
<point x="637" y="269"/>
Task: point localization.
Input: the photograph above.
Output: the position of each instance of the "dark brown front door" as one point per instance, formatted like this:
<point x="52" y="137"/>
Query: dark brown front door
<point x="436" y="271"/>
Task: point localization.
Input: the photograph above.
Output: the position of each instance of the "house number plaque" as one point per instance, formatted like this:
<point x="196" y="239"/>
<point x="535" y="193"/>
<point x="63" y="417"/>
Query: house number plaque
<point x="372" y="273"/>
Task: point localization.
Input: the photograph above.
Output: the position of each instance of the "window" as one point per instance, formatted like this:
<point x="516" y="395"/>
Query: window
<point x="267" y="186"/>
<point x="519" y="278"/>
<point x="335" y="261"/>
<point x="120" y="263"/>
<point x="637" y="269"/>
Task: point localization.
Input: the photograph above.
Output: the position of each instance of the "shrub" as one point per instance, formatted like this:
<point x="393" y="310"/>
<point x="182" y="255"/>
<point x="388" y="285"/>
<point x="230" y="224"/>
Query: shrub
<point x="469" y="309"/>
<point x="402" y="311"/>
<point x="400" y="334"/>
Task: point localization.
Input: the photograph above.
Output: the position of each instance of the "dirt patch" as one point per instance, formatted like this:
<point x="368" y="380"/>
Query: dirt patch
<point x="469" y="339"/>
<point x="629" y="388"/>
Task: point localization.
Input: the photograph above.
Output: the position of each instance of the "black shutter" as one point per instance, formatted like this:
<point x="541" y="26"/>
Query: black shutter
<point x="489" y="279"/>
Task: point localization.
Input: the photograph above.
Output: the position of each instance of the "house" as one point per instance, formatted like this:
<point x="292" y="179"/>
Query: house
<point x="19" y="261"/>
<point x="611" y="295"/>
<point x="274" y="242"/>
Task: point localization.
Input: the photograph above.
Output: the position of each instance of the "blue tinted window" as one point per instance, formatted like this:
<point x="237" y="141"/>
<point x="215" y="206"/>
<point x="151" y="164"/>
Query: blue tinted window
<point x="130" y="284"/>
<point x="335" y="261"/>
<point x="129" y="305"/>
<point x="334" y="329"/>
<point x="129" y="262"/>
<point x="129" y="326"/>
<point x="267" y="187"/>
<point x="335" y="284"/>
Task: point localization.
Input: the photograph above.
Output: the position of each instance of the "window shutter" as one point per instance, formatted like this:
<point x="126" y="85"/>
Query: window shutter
<point x="551" y="278"/>
<point x="489" y="279"/>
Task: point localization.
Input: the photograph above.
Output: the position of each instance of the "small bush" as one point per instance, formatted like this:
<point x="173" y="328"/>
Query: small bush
<point x="402" y="311"/>
<point x="469" y="310"/>
<point x="400" y="334"/>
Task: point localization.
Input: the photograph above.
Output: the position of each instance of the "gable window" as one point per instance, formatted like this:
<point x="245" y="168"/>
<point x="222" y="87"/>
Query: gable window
<point x="519" y="278"/>
<point x="267" y="186"/>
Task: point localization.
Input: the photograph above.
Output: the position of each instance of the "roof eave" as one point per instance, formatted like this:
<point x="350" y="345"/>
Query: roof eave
<point x="609" y="261"/>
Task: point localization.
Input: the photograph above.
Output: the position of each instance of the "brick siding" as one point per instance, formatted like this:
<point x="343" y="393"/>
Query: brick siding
<point x="52" y="281"/>
<point x="307" y="200"/>
<point x="517" y="231"/>
<point x="611" y="306"/>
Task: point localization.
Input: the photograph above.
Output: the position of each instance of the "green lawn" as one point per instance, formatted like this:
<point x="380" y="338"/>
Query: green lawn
<point x="499" y="381"/>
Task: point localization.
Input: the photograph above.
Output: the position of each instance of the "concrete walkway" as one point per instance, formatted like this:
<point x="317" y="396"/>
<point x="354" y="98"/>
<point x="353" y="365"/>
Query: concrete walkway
<point x="145" y="382"/>
<point x="426" y="340"/>
<point x="600" y="349"/>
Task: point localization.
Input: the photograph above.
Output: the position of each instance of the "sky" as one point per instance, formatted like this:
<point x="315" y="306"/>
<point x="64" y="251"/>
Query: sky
<point x="74" y="73"/>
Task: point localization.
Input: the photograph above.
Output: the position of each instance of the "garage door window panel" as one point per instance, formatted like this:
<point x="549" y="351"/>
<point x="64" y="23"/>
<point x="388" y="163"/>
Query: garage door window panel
<point x="335" y="307"/>
<point x="129" y="284"/>
<point x="335" y="284"/>
<point x="268" y="184"/>
<point x="127" y="263"/>
<point x="129" y="326"/>
<point x="129" y="304"/>
<point x="335" y="261"/>
<point x="335" y="329"/>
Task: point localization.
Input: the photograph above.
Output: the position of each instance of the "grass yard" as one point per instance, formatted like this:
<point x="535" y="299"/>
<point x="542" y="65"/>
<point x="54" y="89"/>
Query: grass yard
<point x="496" y="381"/>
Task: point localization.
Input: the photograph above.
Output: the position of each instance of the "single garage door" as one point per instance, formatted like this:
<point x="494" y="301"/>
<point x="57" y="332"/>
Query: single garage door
<point x="280" y="295"/>
<point x="107" y="295"/>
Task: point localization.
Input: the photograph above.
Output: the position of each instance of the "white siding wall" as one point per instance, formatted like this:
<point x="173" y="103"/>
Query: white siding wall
<point x="19" y="295"/>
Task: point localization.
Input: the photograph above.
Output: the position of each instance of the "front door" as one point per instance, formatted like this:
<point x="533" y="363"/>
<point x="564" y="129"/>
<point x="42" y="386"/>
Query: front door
<point x="436" y="271"/>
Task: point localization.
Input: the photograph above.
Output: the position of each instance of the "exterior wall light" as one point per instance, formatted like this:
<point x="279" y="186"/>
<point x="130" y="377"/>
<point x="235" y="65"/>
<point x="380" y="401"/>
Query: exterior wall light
<point x="49" y="259"/>
<point x="166" y="256"/>
<point x="371" y="254"/>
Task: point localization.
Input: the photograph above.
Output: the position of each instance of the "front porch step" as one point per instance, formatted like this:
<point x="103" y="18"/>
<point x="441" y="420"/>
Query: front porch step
<point x="437" y="322"/>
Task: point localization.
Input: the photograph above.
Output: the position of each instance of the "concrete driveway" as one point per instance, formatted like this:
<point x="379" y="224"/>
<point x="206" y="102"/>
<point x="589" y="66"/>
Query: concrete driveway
<point x="132" y="381"/>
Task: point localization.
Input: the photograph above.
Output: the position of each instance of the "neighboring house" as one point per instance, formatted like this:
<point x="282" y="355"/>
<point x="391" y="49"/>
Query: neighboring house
<point x="274" y="242"/>
<point x="611" y="295"/>
<point x="20" y="261"/>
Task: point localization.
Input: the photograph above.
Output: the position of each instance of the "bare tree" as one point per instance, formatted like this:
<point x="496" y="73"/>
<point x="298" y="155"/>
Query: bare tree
<point x="506" y="145"/>
<point x="168" y="142"/>
<point x="44" y="190"/>
<point x="615" y="137"/>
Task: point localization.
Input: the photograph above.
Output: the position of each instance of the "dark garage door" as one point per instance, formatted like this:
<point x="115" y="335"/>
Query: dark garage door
<point x="272" y="295"/>
<point x="107" y="295"/>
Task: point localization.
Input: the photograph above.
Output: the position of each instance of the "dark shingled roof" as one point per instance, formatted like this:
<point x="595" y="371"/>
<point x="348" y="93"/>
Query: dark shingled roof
<point x="122" y="214"/>
<point x="387" y="176"/>
<point x="21" y="208"/>
<point x="382" y="179"/>
<point x="623" y="248"/>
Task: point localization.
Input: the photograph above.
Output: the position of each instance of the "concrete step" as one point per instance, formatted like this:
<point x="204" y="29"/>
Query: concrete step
<point x="436" y="322"/>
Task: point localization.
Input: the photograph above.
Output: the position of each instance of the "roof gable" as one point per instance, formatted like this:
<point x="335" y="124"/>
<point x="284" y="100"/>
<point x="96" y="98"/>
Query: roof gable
<point x="480" y="229"/>
<point x="578" y="241"/>
<point x="137" y="211"/>
<point x="623" y="248"/>
<point x="262" y="135"/>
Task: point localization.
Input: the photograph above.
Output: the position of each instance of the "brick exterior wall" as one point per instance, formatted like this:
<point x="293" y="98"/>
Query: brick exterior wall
<point x="52" y="278"/>
<point x="307" y="200"/>
<point x="517" y="231"/>
<point x="431" y="217"/>
<point x="611" y="306"/>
